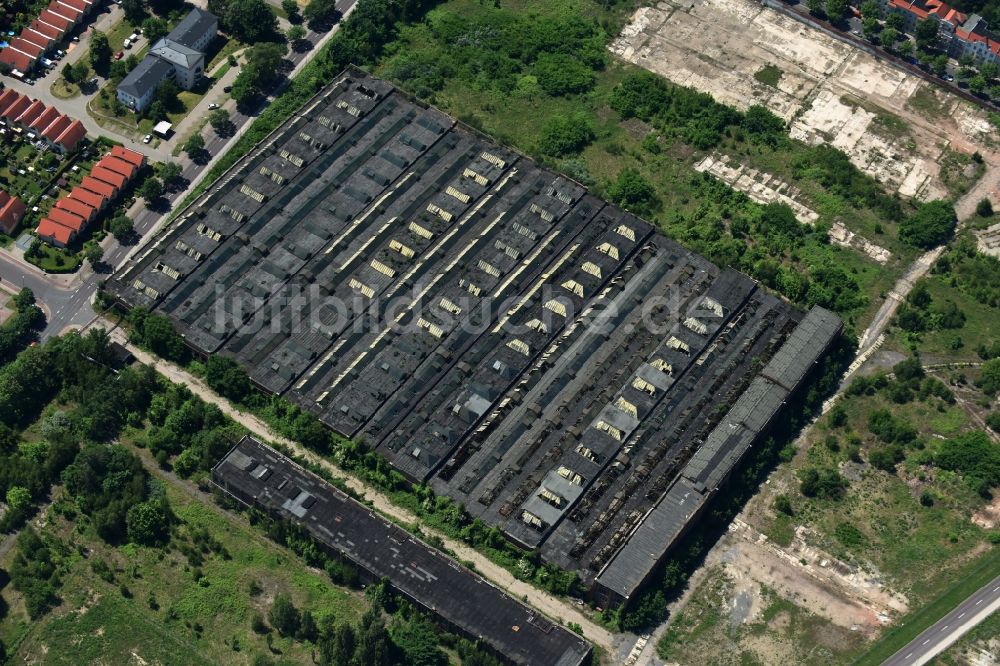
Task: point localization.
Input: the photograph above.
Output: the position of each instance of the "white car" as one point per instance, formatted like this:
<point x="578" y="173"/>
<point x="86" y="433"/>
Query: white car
<point x="147" y="138"/>
<point x="127" y="44"/>
<point x="213" y="106"/>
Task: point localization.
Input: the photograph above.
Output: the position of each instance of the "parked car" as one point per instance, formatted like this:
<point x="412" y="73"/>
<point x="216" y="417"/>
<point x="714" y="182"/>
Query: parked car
<point x="227" y="89"/>
<point x="147" y="138"/>
<point x="127" y="44"/>
<point x="76" y="39"/>
<point x="213" y="106"/>
<point x="119" y="55"/>
<point x="60" y="53"/>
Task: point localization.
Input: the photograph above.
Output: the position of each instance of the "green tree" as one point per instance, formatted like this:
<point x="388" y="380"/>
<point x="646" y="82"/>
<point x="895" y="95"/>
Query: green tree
<point x="989" y="376"/>
<point x="154" y="28"/>
<point x="244" y="89"/>
<point x="926" y="34"/>
<point x="419" y="642"/>
<point x="889" y="38"/>
<point x="134" y="10"/>
<point x="284" y="616"/>
<point x="121" y="226"/>
<point x="932" y="224"/>
<point x="905" y="48"/>
<point x="989" y="70"/>
<point x="147" y="523"/>
<point x="836" y="10"/>
<point x="320" y="11"/>
<point x="977" y="84"/>
<point x="815" y="7"/>
<point x="250" y="21"/>
<point x="18" y="498"/>
<point x="984" y="208"/>
<point x="69" y="73"/>
<point x="291" y="8"/>
<point x="870" y="28"/>
<point x="150" y="190"/>
<point x="784" y="505"/>
<point x="632" y="191"/>
<point x="93" y="253"/>
<point x="194" y="145"/>
<point x="563" y="74"/>
<point x="170" y="173"/>
<point x="219" y="120"/>
<point x="295" y="34"/>
<point x="100" y="52"/>
<point x="894" y="20"/>
<point x="563" y="135"/>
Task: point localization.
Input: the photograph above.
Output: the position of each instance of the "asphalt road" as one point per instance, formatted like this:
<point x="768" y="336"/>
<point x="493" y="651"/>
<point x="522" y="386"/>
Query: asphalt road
<point x="66" y="300"/>
<point x="950" y="628"/>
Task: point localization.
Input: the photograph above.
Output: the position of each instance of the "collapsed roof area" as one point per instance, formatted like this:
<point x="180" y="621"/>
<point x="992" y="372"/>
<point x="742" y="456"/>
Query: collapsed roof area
<point x="549" y="360"/>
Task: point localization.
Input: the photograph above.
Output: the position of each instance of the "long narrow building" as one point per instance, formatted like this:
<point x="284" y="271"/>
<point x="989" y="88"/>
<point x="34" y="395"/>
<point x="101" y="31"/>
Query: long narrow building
<point x="260" y="477"/>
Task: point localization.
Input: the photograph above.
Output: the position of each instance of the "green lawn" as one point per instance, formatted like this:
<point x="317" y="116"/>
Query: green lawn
<point x="103" y="626"/>
<point x="971" y="579"/>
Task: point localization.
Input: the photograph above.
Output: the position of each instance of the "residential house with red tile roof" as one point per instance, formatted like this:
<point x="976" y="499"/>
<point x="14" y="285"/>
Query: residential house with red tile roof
<point x="77" y="207"/>
<point x="11" y="212"/>
<point x="54" y="233"/>
<point x="130" y="156"/>
<point x="122" y="167"/>
<point x="52" y="132"/>
<point x="92" y="199"/>
<point x="108" y="176"/>
<point x="7" y="97"/>
<point x="99" y="187"/>
<point x="960" y="34"/>
<point x="50" y="31"/>
<point x="70" y="137"/>
<point x="54" y="19"/>
<point x="15" y="59"/>
<point x="43" y="42"/>
<point x="67" y="219"/>
<point x="64" y="12"/>
<point x="30" y="114"/>
<point x="17" y="107"/>
<point x="23" y="45"/>
<point x="44" y="119"/>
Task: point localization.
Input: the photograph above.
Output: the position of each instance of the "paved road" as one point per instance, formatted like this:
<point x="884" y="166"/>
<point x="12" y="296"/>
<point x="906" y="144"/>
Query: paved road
<point x="950" y="628"/>
<point x="67" y="299"/>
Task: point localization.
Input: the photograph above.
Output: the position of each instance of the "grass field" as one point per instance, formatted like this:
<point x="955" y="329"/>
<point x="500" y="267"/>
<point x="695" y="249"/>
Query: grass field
<point x="971" y="579"/>
<point x="193" y="621"/>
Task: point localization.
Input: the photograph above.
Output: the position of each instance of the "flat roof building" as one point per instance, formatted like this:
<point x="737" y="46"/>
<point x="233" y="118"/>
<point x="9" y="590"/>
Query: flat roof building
<point x="262" y="478"/>
<point x="553" y="363"/>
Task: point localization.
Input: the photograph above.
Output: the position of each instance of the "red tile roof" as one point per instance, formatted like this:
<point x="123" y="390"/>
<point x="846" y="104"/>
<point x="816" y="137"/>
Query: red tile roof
<point x="7" y="97"/>
<point x="37" y="38"/>
<point x="56" y="20"/>
<point x="17" y="107"/>
<point x="57" y="127"/>
<point x="11" y="211"/>
<point x="112" y="163"/>
<point x="46" y="29"/>
<point x="102" y="188"/>
<point x="67" y="219"/>
<point x="79" y="5"/>
<point x="72" y="135"/>
<point x="77" y="207"/>
<point x="49" y="230"/>
<point x="29" y="115"/>
<point x="68" y="13"/>
<point x="109" y="176"/>
<point x="92" y="199"/>
<point x="130" y="156"/>
<point x="23" y="45"/>
<point x="16" y="59"/>
<point x="45" y="119"/>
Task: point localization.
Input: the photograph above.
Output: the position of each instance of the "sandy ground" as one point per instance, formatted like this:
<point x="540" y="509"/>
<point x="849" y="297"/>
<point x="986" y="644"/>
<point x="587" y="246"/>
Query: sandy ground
<point x="893" y="125"/>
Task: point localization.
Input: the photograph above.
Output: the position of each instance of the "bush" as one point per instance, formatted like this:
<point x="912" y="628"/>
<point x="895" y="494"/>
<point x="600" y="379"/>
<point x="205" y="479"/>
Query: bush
<point x="984" y="208"/>
<point x="975" y="457"/>
<point x="632" y="191"/>
<point x="824" y="483"/>
<point x="931" y="225"/>
<point x="564" y="135"/>
<point x="562" y="74"/>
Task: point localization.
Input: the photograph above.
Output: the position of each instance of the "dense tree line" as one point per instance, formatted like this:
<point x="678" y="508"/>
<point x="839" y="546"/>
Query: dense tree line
<point x="20" y="328"/>
<point x="970" y="271"/>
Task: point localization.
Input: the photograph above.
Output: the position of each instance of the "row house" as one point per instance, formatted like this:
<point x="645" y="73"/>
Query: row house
<point x="37" y="39"/>
<point x="59" y="131"/>
<point x="71" y="215"/>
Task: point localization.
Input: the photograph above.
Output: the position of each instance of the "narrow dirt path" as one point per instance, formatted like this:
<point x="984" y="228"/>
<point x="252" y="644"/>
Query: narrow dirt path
<point x="550" y="605"/>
